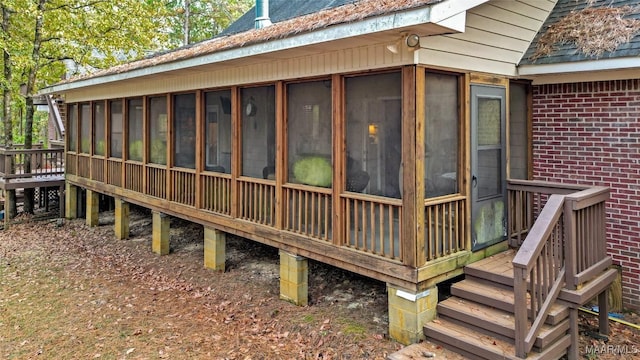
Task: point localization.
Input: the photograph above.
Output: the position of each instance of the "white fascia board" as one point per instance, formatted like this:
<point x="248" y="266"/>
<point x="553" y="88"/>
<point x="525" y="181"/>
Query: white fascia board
<point x="579" y="66"/>
<point x="456" y="23"/>
<point x="446" y="9"/>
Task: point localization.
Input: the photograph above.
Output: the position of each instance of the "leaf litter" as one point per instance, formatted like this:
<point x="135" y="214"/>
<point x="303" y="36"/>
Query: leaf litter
<point x="71" y="291"/>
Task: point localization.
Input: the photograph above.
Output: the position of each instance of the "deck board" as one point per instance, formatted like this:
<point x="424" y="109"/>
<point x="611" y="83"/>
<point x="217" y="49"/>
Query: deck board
<point x="477" y="345"/>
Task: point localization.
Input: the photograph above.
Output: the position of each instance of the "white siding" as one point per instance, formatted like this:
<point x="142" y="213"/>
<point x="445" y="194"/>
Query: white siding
<point x="262" y="70"/>
<point x="496" y="36"/>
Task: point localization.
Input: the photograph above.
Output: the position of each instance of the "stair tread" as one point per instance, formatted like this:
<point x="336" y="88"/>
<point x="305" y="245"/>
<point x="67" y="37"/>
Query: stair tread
<point x="495" y="293"/>
<point x="498" y="263"/>
<point x="500" y="321"/>
<point x="473" y="342"/>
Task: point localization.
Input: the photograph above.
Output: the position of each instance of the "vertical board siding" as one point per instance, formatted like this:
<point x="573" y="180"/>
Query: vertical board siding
<point x="211" y="76"/>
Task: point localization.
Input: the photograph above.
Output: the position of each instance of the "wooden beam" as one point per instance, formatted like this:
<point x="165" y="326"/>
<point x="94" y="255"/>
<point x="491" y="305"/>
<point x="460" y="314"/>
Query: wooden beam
<point x="281" y="152"/>
<point x="420" y="129"/>
<point x="409" y="197"/>
<point x="338" y="155"/>
<point x="146" y="144"/>
<point x="236" y="148"/>
<point x="170" y="146"/>
<point x="200" y="145"/>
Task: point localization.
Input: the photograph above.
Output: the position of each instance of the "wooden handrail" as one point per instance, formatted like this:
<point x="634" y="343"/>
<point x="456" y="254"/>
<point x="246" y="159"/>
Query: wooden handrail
<point x="535" y="241"/>
<point x="30" y="163"/>
<point x="565" y="247"/>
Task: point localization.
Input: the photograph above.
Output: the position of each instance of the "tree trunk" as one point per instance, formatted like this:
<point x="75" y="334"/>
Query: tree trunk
<point x="29" y="200"/>
<point x="10" y="195"/>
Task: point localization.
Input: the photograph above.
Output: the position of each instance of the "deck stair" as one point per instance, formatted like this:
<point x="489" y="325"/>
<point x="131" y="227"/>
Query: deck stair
<point x="477" y="320"/>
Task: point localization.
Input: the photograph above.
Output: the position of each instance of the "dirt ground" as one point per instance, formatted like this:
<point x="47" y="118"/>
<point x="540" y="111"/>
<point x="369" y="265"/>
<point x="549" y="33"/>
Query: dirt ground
<point x="73" y="292"/>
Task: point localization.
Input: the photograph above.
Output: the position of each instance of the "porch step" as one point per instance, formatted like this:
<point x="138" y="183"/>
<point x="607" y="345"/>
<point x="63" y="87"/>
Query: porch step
<point x="500" y="297"/>
<point x="497" y="268"/>
<point x="477" y="345"/>
<point x="495" y="321"/>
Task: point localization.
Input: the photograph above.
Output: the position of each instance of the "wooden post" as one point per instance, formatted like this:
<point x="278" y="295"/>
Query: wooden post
<point x="71" y="201"/>
<point x="281" y="154"/>
<point x="573" y="351"/>
<point x="121" y="227"/>
<point x="603" y="312"/>
<point x="93" y="210"/>
<point x="214" y="249"/>
<point x="160" y="236"/>
<point x="409" y="211"/>
<point x="236" y="149"/>
<point x="339" y="152"/>
<point x="9" y="203"/>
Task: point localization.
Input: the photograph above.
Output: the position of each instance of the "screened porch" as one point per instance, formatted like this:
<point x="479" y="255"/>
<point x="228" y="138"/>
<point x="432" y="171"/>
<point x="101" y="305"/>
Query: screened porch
<point x="366" y="171"/>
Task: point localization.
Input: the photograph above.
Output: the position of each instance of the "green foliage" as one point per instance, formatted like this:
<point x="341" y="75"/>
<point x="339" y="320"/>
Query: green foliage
<point x="158" y="152"/>
<point x="85" y="146"/>
<point x="99" y="149"/>
<point x="204" y="18"/>
<point x="135" y="150"/>
<point x="313" y="170"/>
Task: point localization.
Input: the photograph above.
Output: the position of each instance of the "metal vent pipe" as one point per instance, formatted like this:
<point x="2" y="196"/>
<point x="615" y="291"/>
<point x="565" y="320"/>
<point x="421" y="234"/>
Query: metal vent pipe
<point x="262" y="14"/>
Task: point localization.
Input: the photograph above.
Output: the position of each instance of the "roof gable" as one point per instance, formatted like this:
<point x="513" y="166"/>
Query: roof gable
<point x="569" y="51"/>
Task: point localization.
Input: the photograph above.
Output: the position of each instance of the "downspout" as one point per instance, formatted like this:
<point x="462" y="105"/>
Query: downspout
<point x="262" y="14"/>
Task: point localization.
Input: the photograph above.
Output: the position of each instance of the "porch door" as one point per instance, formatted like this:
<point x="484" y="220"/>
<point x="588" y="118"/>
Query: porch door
<point x="488" y="166"/>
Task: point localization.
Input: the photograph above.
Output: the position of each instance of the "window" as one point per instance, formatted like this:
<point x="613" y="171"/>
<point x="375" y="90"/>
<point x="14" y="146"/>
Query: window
<point x="309" y="133"/>
<point x="134" y="128"/>
<point x="218" y="131"/>
<point x="184" y="122"/>
<point x="442" y="122"/>
<point x="116" y="128"/>
<point x="158" y="130"/>
<point x="98" y="128"/>
<point x="85" y="128"/>
<point x="258" y="132"/>
<point x="73" y="127"/>
<point x="518" y="128"/>
<point x="374" y="141"/>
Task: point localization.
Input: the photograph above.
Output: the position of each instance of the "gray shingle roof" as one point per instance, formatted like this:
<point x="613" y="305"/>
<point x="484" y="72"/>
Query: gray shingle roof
<point x="569" y="52"/>
<point x="280" y="10"/>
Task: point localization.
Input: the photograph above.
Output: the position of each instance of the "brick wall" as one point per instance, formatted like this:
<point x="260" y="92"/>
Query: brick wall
<point x="589" y="133"/>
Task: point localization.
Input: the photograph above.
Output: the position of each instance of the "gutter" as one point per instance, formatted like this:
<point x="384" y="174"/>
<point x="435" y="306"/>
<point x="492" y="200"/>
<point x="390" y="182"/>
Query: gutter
<point x="579" y="66"/>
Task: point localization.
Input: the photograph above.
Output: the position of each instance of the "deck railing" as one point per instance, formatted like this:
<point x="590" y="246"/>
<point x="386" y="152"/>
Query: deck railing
<point x="257" y="200"/>
<point x="216" y="192"/>
<point x="445" y="221"/>
<point x="20" y="163"/>
<point x="564" y="247"/>
<point x="307" y="211"/>
<point x="373" y="224"/>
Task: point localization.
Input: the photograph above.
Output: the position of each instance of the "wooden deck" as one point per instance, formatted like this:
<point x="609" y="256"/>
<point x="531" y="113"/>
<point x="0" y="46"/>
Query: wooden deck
<point x="41" y="169"/>
<point x="522" y="304"/>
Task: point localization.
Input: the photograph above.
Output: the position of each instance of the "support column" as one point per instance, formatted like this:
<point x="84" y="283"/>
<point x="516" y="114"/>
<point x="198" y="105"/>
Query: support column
<point x="160" y="237"/>
<point x="214" y="249"/>
<point x="71" y="201"/>
<point x="408" y="312"/>
<point x="93" y="210"/>
<point x="121" y="227"/>
<point x="8" y="205"/>
<point x="294" y="278"/>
